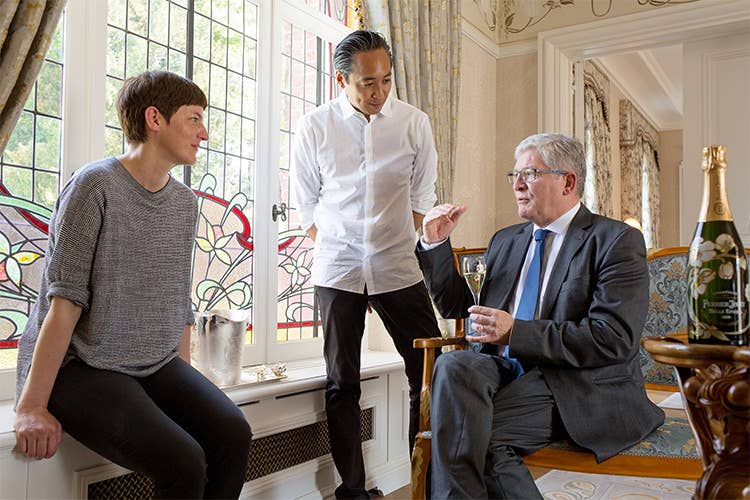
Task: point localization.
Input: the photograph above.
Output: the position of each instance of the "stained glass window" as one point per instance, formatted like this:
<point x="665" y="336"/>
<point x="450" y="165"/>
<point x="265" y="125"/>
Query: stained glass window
<point x="215" y="44"/>
<point x="307" y="80"/>
<point x="30" y="178"/>
<point x="343" y="11"/>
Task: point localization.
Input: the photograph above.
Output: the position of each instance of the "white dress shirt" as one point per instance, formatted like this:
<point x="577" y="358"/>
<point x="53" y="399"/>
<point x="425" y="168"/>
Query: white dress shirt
<point x="557" y="229"/>
<point x="359" y="183"/>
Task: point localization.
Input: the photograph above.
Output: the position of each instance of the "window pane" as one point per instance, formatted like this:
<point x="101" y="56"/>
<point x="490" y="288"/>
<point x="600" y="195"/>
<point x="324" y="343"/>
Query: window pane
<point x="157" y="56"/>
<point x="135" y="61"/>
<point x="177" y="27"/>
<point x="138" y="17"/>
<point x="47" y="143"/>
<point x="159" y="21"/>
<point x="20" y="148"/>
<point x="116" y="13"/>
<point x="116" y="52"/>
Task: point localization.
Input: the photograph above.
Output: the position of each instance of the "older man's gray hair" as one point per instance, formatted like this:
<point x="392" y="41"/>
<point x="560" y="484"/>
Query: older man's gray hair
<point x="558" y="152"/>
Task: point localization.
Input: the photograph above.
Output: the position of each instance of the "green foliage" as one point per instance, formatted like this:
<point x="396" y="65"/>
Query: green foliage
<point x="136" y="55"/>
<point x="138" y="17"/>
<point x="110" y="112"/>
<point x="46" y="188"/>
<point x="116" y="13"/>
<point x="218" y="88"/>
<point x="178" y="28"/>
<point x="202" y="37"/>
<point x="55" y="52"/>
<point x="115" y="52"/>
<point x="159" y="21"/>
<point x="20" y="149"/>
<point x="18" y="181"/>
<point x="216" y="124"/>
<point x="48" y="138"/>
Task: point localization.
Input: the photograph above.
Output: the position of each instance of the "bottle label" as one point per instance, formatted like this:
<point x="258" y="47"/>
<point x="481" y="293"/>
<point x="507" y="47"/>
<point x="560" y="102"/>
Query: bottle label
<point x="718" y="288"/>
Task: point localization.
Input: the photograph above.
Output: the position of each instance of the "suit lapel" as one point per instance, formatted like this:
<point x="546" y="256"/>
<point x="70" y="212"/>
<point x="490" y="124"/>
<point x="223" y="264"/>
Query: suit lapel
<point x="574" y="238"/>
<point x="519" y="244"/>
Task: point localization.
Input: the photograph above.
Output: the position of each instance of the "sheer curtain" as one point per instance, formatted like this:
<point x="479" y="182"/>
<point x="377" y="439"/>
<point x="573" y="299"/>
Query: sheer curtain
<point x="425" y="37"/>
<point x="640" y="171"/>
<point x="597" y="192"/>
<point x="26" y="30"/>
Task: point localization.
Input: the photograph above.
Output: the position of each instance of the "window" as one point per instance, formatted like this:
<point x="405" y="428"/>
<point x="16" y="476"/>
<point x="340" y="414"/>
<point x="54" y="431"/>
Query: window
<point x="307" y="81"/>
<point x="30" y="178"/>
<point x="231" y="49"/>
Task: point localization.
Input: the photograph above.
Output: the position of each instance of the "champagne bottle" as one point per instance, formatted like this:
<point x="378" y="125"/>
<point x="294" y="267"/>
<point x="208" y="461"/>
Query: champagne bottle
<point x="718" y="290"/>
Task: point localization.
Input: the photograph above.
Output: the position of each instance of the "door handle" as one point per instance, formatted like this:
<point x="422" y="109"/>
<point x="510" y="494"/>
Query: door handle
<point x="279" y="210"/>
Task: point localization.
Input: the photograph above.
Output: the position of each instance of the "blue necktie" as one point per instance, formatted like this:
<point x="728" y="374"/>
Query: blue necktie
<point x="530" y="295"/>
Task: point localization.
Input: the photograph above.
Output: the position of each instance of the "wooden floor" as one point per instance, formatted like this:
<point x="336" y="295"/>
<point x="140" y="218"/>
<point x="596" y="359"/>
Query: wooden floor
<point x="404" y="493"/>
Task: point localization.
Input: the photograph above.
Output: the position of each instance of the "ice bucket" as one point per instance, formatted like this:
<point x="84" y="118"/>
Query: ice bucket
<point x="216" y="345"/>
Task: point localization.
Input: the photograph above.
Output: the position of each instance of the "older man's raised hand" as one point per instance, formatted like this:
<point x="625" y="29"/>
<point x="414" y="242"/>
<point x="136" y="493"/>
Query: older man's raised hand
<point x="440" y="222"/>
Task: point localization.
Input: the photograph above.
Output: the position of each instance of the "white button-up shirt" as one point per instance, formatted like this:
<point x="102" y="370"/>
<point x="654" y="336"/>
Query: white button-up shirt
<point x="359" y="183"/>
<point x="558" y="228"/>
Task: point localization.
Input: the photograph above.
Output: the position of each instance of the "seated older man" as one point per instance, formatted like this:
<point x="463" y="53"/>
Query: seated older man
<point x="560" y="318"/>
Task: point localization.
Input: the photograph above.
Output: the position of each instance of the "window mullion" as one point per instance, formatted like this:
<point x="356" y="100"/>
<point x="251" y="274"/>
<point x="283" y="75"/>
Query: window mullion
<point x="266" y="182"/>
<point x="187" y="171"/>
<point x="84" y="80"/>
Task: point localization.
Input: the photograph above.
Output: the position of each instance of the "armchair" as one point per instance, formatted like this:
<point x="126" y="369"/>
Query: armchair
<point x="669" y="451"/>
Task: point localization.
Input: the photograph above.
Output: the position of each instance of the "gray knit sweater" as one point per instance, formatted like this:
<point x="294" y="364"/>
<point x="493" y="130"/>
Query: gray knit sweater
<point x="123" y="254"/>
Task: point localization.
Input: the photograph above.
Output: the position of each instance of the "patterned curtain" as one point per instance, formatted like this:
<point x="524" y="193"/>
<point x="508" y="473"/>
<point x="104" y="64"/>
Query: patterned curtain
<point x="650" y="196"/>
<point x="425" y="37"/>
<point x="26" y="30"/>
<point x="640" y="171"/>
<point x="597" y="190"/>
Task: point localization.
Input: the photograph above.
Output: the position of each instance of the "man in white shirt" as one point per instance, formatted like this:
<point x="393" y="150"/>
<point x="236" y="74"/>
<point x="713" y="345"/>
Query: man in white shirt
<point x="561" y="314"/>
<point x="363" y="176"/>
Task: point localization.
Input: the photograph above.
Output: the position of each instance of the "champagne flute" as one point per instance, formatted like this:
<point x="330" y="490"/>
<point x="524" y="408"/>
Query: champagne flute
<point x="474" y="270"/>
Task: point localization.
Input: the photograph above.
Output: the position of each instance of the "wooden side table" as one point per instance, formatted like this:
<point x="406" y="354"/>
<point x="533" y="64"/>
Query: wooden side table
<point x="715" y="383"/>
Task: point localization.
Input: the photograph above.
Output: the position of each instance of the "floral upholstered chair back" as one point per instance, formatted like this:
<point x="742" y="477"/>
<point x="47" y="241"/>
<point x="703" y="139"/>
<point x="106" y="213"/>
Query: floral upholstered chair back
<point x="667" y="309"/>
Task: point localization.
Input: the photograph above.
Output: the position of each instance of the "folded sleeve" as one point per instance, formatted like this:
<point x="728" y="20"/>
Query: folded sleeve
<point x="73" y="241"/>
<point x="305" y="174"/>
<point x="424" y="172"/>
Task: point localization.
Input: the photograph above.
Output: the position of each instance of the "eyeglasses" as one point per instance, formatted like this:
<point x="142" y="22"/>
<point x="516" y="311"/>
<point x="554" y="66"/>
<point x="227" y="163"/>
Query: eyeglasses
<point x="530" y="174"/>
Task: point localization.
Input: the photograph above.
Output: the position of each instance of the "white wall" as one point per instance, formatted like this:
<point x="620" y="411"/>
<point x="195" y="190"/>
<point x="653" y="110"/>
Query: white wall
<point x="716" y="76"/>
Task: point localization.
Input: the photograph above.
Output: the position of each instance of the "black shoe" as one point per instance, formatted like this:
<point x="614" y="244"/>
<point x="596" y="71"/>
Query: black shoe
<point x="375" y="492"/>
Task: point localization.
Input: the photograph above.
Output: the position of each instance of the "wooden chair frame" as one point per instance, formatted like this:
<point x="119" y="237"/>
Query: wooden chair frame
<point x="549" y="457"/>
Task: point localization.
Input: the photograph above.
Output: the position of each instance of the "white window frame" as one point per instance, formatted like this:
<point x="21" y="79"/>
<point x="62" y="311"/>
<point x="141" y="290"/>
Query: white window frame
<point x="84" y="83"/>
<point x="313" y="21"/>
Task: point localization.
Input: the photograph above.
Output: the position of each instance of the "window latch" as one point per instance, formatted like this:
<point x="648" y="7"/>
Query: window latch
<point x="278" y="210"/>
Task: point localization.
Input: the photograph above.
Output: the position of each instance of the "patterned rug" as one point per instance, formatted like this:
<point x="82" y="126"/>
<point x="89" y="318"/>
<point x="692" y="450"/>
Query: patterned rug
<point x="561" y="485"/>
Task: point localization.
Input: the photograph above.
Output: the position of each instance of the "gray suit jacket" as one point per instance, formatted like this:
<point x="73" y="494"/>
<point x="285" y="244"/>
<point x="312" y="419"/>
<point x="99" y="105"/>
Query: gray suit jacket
<point x="586" y="340"/>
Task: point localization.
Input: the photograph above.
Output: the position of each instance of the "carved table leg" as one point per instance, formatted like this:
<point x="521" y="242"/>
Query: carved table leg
<point x="718" y="399"/>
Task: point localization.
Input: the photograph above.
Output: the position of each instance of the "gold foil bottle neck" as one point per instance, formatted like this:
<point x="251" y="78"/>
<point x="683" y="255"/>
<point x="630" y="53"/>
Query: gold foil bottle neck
<point x="714" y="156"/>
<point x="715" y="205"/>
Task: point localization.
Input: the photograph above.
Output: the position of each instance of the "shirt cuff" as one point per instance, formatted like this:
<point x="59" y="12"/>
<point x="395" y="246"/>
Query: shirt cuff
<point x="306" y="216"/>
<point x="429" y="246"/>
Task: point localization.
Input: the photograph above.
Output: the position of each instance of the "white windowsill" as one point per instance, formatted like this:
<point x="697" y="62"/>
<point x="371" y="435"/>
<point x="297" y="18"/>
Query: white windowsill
<point x="302" y="376"/>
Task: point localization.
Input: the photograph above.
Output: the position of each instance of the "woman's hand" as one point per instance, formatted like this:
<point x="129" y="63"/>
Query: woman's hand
<point x="38" y="433"/>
